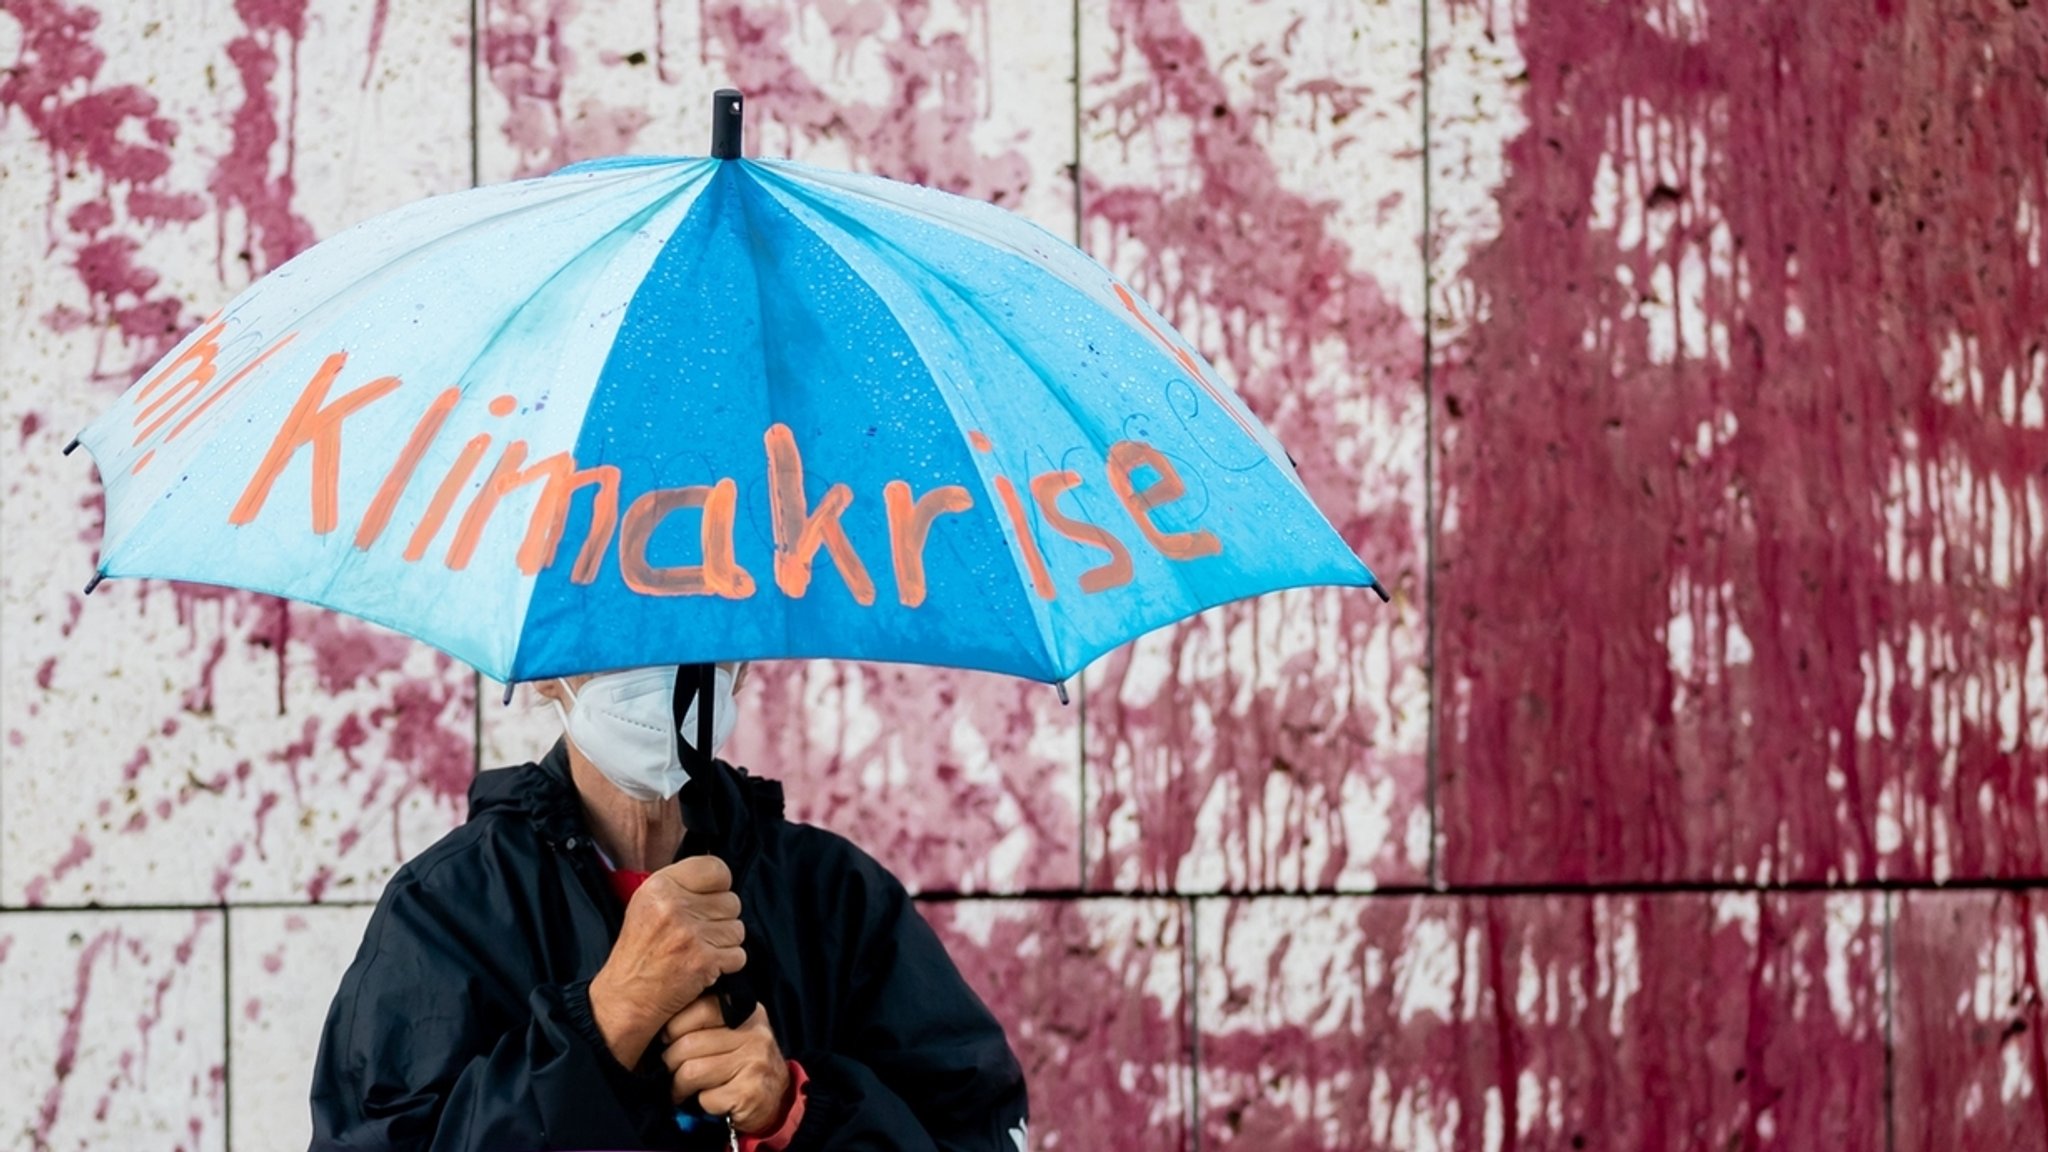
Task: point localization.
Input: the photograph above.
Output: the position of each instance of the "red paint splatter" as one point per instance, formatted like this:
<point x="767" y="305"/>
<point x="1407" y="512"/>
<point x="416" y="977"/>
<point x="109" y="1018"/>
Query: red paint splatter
<point x="243" y="180"/>
<point x="1740" y="571"/>
<point x="1105" y="1048"/>
<point x="922" y="132"/>
<point x="78" y="853"/>
<point x="420" y="735"/>
<point x="1543" y="1022"/>
<point x="67" y="1041"/>
<point x="830" y="770"/>
<point x="346" y="654"/>
<point x="1969" y="1021"/>
<point x="265" y="803"/>
<point x="527" y="59"/>
<point x="1224" y="242"/>
<point x="378" y="17"/>
<point x="224" y="874"/>
<point x="53" y="84"/>
<point x="113" y="947"/>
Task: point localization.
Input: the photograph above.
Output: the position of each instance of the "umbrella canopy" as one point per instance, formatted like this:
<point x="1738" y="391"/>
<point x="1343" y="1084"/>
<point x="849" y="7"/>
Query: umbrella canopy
<point x="654" y="410"/>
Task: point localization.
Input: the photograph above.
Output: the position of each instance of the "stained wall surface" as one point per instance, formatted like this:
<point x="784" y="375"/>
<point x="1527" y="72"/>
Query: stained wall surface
<point x="1680" y="365"/>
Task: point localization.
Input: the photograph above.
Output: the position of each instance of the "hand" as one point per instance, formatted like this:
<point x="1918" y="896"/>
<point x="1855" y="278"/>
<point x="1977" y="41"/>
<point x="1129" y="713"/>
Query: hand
<point x="738" y="1073"/>
<point x="682" y="932"/>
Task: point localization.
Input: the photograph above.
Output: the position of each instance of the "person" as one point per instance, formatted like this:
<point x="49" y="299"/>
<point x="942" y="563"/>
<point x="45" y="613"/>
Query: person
<point x="547" y="974"/>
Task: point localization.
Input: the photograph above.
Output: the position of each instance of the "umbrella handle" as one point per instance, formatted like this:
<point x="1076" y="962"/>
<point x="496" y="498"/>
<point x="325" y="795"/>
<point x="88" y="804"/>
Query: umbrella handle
<point x="736" y="999"/>
<point x="735" y="991"/>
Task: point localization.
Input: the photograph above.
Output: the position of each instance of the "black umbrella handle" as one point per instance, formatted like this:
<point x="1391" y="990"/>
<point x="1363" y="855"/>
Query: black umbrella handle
<point x="735" y="991"/>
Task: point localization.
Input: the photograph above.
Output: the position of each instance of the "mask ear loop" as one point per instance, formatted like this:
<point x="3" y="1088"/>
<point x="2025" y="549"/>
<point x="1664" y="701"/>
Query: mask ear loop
<point x="560" y="711"/>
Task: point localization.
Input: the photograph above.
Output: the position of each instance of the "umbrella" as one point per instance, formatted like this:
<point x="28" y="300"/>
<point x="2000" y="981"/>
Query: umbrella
<point x="671" y="410"/>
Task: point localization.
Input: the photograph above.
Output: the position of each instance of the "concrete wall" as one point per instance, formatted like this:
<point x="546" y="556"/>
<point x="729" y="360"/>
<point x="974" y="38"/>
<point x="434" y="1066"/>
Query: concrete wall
<point x="1679" y="364"/>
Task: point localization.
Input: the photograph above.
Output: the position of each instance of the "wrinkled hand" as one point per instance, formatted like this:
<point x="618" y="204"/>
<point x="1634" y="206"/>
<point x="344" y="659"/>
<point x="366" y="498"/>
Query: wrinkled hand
<point x="738" y="1073"/>
<point x="682" y="932"/>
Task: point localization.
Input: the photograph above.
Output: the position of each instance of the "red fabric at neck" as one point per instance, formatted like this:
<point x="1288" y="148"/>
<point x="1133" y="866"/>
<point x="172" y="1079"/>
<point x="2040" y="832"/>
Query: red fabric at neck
<point x="625" y="882"/>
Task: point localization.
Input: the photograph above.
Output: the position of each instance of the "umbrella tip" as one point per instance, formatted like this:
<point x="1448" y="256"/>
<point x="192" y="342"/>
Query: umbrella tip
<point x="1381" y="589"/>
<point x="71" y="447"/>
<point x="94" y="582"/>
<point x="727" y="114"/>
<point x="1061" y="688"/>
<point x="509" y="685"/>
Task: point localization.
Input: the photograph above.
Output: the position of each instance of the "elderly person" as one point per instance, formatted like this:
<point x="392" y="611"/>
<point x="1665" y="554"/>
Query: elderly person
<point x="543" y="977"/>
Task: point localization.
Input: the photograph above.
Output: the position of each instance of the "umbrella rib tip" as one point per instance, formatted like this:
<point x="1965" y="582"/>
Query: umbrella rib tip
<point x="71" y="447"/>
<point x="94" y="582"/>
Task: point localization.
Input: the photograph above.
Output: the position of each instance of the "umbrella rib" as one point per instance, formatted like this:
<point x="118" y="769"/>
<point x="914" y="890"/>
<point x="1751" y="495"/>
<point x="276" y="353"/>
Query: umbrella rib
<point x="767" y="385"/>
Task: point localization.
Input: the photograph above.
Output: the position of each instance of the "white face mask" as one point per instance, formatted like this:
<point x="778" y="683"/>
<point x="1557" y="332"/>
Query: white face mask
<point x="621" y="721"/>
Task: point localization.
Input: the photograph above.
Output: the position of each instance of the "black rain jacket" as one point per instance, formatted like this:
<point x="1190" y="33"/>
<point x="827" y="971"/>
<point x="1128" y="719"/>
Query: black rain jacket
<point x="464" y="1022"/>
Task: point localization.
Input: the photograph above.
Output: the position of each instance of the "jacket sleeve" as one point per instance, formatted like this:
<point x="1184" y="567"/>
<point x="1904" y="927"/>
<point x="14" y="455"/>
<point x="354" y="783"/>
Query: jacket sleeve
<point x="429" y="1046"/>
<point x="920" y="1062"/>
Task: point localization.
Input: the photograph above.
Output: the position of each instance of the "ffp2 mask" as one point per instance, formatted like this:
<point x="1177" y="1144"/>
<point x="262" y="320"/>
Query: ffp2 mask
<point x="623" y="722"/>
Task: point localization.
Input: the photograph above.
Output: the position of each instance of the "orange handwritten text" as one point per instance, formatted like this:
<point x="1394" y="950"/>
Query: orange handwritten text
<point x="1126" y="457"/>
<point x="401" y="472"/>
<point x="199" y="361"/>
<point x="1034" y="560"/>
<point x="799" y="533"/>
<point x="550" y="513"/>
<point x="909" y="523"/>
<point x="1113" y="573"/>
<point x="444" y="496"/>
<point x="1144" y="480"/>
<point x="719" y="574"/>
<point x="312" y="421"/>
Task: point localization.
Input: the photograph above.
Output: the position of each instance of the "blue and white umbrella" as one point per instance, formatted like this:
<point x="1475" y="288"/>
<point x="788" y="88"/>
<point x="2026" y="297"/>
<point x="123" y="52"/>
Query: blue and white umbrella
<point x="659" y="410"/>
